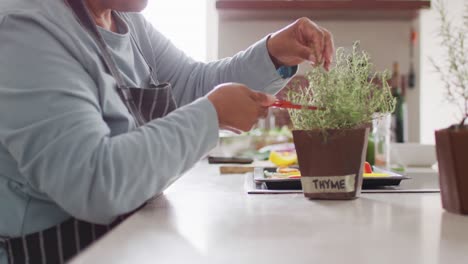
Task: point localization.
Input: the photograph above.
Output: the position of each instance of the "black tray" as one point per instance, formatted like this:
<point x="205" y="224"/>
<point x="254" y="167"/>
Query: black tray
<point x="295" y="184"/>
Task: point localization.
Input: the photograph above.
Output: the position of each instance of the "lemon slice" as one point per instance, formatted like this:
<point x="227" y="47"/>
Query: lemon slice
<point x="283" y="158"/>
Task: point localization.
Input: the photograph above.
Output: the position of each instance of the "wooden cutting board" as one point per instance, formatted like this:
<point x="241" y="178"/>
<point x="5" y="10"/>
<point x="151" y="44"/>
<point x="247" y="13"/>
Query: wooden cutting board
<point x="241" y="169"/>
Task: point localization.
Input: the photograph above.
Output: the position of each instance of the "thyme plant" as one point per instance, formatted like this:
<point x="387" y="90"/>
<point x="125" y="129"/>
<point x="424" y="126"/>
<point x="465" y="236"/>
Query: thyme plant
<point x="454" y="68"/>
<point x="347" y="95"/>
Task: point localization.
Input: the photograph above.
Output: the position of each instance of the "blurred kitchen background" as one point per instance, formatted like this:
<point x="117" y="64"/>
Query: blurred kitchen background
<point x="399" y="35"/>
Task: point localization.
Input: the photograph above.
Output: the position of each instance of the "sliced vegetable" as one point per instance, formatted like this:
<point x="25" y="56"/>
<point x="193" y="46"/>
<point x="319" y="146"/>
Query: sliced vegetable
<point x="367" y="167"/>
<point x="287" y="170"/>
<point x="283" y="158"/>
<point x="377" y="175"/>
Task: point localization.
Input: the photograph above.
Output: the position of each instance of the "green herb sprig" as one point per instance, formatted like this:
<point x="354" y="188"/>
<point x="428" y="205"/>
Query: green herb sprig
<point x="347" y="94"/>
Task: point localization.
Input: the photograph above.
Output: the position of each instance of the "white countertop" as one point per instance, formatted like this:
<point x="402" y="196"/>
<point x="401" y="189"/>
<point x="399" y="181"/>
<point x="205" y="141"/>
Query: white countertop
<point x="208" y="218"/>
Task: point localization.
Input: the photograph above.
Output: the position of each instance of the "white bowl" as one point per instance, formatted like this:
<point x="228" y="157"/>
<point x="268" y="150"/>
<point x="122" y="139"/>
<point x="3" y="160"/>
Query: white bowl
<point x="413" y="154"/>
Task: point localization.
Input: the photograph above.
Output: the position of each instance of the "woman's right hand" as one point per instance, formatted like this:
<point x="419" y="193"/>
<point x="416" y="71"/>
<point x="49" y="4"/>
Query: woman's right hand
<point x="239" y="107"/>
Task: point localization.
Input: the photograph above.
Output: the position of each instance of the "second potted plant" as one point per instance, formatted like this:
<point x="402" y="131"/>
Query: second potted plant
<point x="331" y="142"/>
<point x="452" y="142"/>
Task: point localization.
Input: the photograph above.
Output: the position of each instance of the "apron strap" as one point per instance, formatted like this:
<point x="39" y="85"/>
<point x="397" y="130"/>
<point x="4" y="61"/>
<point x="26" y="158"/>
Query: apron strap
<point x="84" y="17"/>
<point x="57" y="244"/>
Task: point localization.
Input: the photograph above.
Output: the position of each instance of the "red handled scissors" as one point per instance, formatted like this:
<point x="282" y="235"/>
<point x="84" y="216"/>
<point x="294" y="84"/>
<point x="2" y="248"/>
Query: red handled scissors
<point x="290" y="105"/>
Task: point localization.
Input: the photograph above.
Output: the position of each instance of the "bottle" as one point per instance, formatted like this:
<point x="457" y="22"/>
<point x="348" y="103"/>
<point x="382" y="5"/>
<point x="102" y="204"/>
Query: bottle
<point x="395" y="81"/>
<point x="370" y="154"/>
<point x="398" y="116"/>
<point x="412" y="74"/>
<point x="404" y="85"/>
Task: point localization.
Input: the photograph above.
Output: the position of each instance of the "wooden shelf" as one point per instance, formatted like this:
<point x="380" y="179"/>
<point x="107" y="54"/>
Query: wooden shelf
<point x="322" y="5"/>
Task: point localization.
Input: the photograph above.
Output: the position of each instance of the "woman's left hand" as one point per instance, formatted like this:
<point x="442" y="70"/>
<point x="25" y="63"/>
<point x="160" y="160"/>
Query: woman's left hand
<point x="301" y="41"/>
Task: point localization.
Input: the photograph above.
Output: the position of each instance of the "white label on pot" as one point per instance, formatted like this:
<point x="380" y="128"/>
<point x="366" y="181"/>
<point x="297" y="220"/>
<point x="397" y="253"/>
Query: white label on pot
<point x="329" y="184"/>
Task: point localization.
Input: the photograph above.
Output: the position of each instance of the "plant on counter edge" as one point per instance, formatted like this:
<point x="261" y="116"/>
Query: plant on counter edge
<point x="452" y="142"/>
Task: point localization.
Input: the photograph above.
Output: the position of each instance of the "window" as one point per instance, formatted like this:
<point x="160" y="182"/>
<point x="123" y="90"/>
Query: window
<point x="183" y="22"/>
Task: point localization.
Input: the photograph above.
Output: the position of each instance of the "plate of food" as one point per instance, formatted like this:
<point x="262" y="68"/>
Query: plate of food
<point x="289" y="178"/>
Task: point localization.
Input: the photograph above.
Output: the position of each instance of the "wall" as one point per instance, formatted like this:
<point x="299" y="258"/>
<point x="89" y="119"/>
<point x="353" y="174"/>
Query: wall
<point x="386" y="41"/>
<point x="436" y="113"/>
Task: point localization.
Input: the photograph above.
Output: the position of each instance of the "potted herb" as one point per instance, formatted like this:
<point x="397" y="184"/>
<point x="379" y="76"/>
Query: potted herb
<point x="452" y="142"/>
<point x="331" y="142"/>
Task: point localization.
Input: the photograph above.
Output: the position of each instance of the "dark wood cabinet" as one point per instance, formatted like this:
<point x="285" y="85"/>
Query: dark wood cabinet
<point x="332" y="9"/>
<point x="324" y="5"/>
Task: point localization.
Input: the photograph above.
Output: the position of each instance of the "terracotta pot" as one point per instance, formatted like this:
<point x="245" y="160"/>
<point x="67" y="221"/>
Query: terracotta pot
<point x="331" y="166"/>
<point x="452" y="155"/>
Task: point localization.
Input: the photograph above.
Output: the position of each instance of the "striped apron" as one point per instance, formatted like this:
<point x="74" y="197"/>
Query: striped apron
<point x="60" y="243"/>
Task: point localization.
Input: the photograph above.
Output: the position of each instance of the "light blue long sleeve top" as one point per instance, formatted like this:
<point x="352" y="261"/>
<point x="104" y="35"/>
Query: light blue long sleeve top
<point x="68" y="146"/>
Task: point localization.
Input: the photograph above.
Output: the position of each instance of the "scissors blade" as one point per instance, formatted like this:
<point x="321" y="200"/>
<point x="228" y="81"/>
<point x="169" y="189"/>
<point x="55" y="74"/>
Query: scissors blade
<point x="290" y="105"/>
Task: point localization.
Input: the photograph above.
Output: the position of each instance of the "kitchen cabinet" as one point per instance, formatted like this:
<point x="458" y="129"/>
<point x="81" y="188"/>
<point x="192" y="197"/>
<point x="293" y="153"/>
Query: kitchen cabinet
<point x="329" y="5"/>
<point x="343" y="9"/>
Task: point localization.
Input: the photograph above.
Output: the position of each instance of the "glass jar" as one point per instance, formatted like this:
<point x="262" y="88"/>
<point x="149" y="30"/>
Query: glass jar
<point x="381" y="134"/>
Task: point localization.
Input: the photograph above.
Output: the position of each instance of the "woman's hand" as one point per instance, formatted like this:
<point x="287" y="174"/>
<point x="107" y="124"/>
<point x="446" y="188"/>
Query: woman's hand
<point x="239" y="107"/>
<point x="301" y="41"/>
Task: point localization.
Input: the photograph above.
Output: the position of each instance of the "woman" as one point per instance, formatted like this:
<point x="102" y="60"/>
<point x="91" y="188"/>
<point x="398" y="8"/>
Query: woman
<point x="89" y="130"/>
